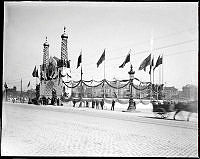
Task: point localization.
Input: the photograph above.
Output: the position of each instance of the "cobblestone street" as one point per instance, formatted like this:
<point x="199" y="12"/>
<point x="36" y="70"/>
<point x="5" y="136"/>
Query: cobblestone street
<point x="36" y="130"/>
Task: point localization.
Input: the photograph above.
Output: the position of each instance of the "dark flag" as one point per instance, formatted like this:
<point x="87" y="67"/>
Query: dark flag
<point x="59" y="63"/>
<point x="34" y="72"/>
<point x="79" y="60"/>
<point x="37" y="74"/>
<point x="158" y="62"/>
<point x="28" y="84"/>
<point x="68" y="63"/>
<point x="151" y="65"/>
<point x="145" y="63"/>
<point x="102" y="58"/>
<point x="125" y="61"/>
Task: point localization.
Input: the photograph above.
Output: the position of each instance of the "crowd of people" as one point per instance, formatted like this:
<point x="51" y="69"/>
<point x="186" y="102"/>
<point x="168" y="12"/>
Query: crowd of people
<point x="95" y="103"/>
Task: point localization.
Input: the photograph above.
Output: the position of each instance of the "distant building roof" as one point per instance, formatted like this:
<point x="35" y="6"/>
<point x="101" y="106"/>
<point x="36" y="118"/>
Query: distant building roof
<point x="170" y="88"/>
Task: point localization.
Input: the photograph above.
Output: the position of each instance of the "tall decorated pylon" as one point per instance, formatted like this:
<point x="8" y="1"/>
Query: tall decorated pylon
<point x="64" y="53"/>
<point x="45" y="56"/>
<point x="64" y="59"/>
<point x="45" y="53"/>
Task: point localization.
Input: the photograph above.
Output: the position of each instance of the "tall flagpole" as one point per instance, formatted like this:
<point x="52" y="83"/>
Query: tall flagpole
<point x="153" y="76"/>
<point x="104" y="75"/>
<point x="81" y="81"/>
<point x="162" y="68"/>
<point x="162" y="72"/>
<point x="81" y="88"/>
<point x="21" y="90"/>
<point x="150" y="78"/>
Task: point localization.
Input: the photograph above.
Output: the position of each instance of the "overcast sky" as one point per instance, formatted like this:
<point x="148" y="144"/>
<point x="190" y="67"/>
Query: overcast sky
<point x="170" y="29"/>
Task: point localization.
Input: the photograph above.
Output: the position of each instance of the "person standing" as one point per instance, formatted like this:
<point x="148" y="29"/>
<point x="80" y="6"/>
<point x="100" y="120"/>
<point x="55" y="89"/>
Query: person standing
<point x="97" y="104"/>
<point x="74" y="103"/>
<point x="93" y="103"/>
<point x="113" y="105"/>
<point x="102" y="104"/>
<point x="58" y="102"/>
<point x="87" y="104"/>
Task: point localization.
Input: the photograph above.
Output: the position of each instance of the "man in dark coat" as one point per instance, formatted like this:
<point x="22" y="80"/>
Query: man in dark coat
<point x="74" y="103"/>
<point x="102" y="104"/>
<point x="97" y="104"/>
<point x="93" y="103"/>
<point x="113" y="105"/>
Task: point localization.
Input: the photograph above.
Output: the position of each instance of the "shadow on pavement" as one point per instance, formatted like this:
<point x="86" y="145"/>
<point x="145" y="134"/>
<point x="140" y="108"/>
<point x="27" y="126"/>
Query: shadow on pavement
<point x="162" y="118"/>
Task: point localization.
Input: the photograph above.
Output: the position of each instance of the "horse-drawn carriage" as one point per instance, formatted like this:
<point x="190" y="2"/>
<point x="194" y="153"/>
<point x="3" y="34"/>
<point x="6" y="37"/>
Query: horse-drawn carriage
<point x="163" y="110"/>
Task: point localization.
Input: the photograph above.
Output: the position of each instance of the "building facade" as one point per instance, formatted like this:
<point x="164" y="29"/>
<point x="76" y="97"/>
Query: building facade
<point x="189" y="92"/>
<point x="170" y="93"/>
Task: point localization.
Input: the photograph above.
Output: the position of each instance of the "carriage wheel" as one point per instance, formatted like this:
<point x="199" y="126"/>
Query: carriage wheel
<point x="165" y="115"/>
<point x="161" y="114"/>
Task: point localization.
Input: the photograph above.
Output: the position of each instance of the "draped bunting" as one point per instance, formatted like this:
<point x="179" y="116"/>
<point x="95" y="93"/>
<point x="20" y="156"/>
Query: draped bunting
<point x="139" y="88"/>
<point x="105" y="81"/>
<point x="72" y="81"/>
<point x="72" y="86"/>
<point x="93" y="86"/>
<point x="116" y="87"/>
<point x="89" y="81"/>
<point x="136" y="79"/>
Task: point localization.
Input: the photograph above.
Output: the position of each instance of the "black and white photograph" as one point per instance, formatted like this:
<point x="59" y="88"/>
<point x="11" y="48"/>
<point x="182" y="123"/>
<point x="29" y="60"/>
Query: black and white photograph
<point x="100" y="79"/>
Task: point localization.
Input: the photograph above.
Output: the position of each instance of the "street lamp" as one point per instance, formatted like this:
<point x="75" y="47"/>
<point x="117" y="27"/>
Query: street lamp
<point x="131" y="106"/>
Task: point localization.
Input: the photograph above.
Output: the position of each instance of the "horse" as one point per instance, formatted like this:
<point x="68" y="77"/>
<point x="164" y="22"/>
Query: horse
<point x="190" y="107"/>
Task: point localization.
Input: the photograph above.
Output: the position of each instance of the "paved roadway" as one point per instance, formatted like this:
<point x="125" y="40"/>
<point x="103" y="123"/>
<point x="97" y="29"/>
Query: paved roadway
<point x="36" y="130"/>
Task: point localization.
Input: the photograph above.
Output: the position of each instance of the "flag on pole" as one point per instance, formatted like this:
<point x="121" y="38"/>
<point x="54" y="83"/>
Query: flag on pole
<point x="125" y="61"/>
<point x="102" y="58"/>
<point x="68" y="63"/>
<point x="145" y="63"/>
<point x="79" y="59"/>
<point x="158" y="62"/>
<point x="151" y="65"/>
<point x="28" y="84"/>
<point x="34" y="72"/>
<point x="37" y="73"/>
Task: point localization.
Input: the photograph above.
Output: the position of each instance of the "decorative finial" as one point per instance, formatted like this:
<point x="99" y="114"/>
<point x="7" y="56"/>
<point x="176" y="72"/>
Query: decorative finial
<point x="46" y="38"/>
<point x="131" y="67"/>
<point x="64" y="29"/>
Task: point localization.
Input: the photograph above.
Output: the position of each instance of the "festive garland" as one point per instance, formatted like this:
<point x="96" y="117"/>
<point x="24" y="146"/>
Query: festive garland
<point x="139" y="88"/>
<point x="117" y="87"/>
<point x="72" y="81"/>
<point x="93" y="86"/>
<point x="72" y="86"/>
<point x="88" y="81"/>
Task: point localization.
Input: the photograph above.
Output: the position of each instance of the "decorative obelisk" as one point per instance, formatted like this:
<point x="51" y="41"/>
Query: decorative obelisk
<point x="45" y="56"/>
<point x="64" y="59"/>
<point x="43" y="69"/>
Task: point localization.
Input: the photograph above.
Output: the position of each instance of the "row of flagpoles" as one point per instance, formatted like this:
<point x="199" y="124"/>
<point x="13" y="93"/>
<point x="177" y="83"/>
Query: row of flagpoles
<point x="149" y="61"/>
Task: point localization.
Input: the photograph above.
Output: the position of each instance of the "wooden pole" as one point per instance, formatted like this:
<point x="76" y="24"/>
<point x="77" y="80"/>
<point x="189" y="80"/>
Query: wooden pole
<point x="21" y="90"/>
<point x="104" y="75"/>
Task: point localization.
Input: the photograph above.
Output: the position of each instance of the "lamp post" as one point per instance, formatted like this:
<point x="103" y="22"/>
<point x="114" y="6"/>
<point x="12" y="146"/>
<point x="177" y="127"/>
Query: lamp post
<point x="131" y="106"/>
